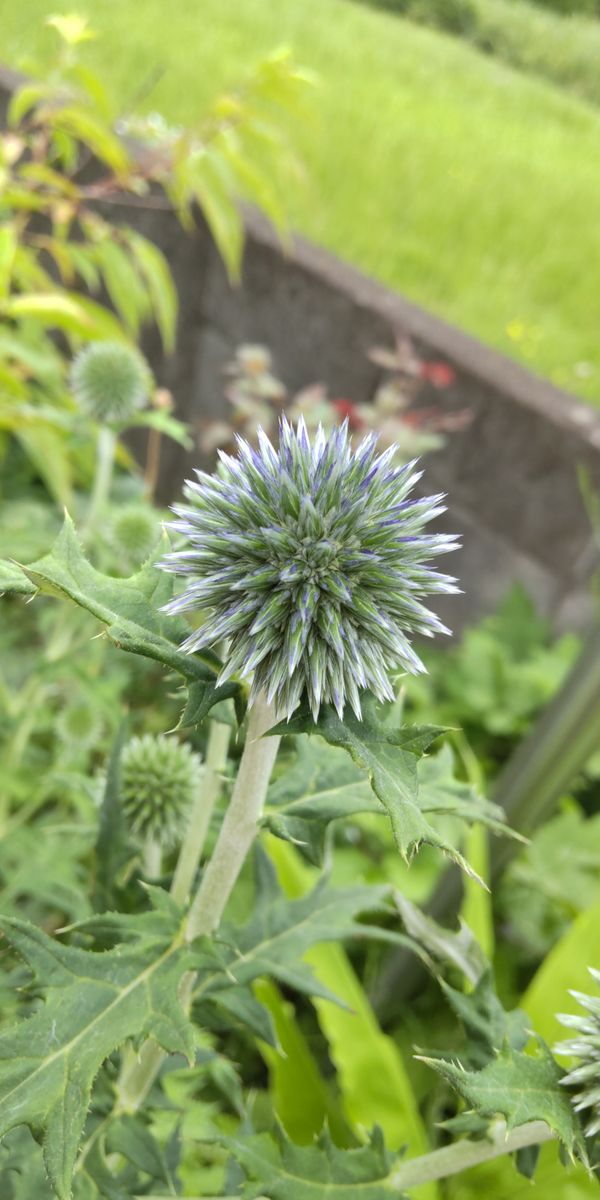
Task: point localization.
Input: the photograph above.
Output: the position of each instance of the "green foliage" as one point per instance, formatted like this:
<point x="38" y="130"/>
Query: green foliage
<point x="95" y="1002"/>
<point x="553" y="880"/>
<point x="55" y="246"/>
<point x="502" y="672"/>
<point x="128" y="608"/>
<point x="277" y="1169"/>
<point x="390" y="758"/>
<point x="275" y="938"/>
<point x="519" y="1087"/>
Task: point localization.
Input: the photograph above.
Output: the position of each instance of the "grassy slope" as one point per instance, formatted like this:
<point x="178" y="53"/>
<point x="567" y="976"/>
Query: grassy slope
<point x="467" y="186"/>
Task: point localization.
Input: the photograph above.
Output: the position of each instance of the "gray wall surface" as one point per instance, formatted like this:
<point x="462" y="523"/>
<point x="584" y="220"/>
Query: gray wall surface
<point x="511" y="476"/>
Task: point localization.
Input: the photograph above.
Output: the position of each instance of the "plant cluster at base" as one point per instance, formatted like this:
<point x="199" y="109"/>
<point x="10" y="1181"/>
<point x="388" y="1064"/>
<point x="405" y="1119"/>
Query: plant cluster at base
<point x="150" y="1054"/>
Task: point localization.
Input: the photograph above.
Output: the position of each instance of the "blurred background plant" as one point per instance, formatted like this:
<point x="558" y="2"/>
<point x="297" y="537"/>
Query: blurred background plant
<point x="72" y="280"/>
<point x="70" y="275"/>
<point x="257" y="398"/>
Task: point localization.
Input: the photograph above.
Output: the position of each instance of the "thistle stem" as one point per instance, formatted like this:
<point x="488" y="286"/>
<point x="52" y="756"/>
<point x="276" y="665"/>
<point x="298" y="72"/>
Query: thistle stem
<point x="450" y="1160"/>
<point x="238" y="831"/>
<point x="240" y="824"/>
<point x="152" y="858"/>
<point x="105" y="459"/>
<point x="195" y="837"/>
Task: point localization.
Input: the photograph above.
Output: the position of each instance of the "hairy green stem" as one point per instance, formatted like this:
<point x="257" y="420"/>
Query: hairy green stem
<point x="238" y="832"/>
<point x="195" y="836"/>
<point x="152" y="858"/>
<point x="450" y="1160"/>
<point x="105" y="460"/>
<point x="240" y="824"/>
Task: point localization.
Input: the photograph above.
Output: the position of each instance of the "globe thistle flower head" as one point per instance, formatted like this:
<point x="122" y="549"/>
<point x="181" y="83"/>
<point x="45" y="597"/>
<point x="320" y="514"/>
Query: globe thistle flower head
<point x="313" y="560"/>
<point x="110" y="381"/>
<point x="160" y="778"/>
<point x="584" y="1046"/>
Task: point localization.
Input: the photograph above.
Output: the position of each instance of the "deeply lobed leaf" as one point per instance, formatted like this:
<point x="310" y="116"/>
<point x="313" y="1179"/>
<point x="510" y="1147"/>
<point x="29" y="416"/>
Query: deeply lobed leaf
<point x="94" y="1003"/>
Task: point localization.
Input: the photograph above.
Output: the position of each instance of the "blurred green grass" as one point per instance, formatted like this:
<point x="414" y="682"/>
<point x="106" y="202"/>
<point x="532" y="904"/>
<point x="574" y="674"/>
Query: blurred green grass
<point x="469" y="187"/>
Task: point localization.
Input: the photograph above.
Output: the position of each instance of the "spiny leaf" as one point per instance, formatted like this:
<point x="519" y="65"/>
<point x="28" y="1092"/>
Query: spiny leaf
<point x="390" y="758"/>
<point x="94" y="1003"/>
<point x="458" y="949"/>
<point x="323" y="785"/>
<point x="280" y="1170"/>
<point x="519" y="1087"/>
<point x="320" y="786"/>
<point x="13" y="579"/>
<point x="129" y="608"/>
<point x="280" y="931"/>
<point x="487" y="1024"/>
<point x="441" y="793"/>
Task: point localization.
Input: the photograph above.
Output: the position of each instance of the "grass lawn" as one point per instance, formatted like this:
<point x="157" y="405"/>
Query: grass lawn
<point x="467" y="186"/>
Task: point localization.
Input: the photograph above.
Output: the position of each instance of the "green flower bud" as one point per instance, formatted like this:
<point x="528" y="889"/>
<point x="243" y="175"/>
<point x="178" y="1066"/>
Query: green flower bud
<point x="78" y="725"/>
<point x="110" y="381"/>
<point x="135" y="532"/>
<point x="160" y="778"/>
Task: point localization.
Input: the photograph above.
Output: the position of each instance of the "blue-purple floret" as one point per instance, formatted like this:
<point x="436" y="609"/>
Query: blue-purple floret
<point x="311" y="562"/>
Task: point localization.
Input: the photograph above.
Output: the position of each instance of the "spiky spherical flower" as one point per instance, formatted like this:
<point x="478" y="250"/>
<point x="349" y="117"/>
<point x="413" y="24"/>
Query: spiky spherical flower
<point x="110" y="381"/>
<point x="160" y="778"/>
<point x="134" y="531"/>
<point x="313" y="561"/>
<point x="584" y="1046"/>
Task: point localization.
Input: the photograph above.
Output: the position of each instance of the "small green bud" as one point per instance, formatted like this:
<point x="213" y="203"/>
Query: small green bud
<point x="160" y="778"/>
<point x="78" y="725"/>
<point x="110" y="381"/>
<point x="134" y="532"/>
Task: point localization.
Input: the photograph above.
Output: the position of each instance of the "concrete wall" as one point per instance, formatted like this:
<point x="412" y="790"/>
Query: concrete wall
<point x="511" y="477"/>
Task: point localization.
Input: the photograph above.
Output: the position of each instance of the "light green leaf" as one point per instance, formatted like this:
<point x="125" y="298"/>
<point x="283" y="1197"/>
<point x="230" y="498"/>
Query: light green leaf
<point x="519" y="1087"/>
<point x="61" y="310"/>
<point x="371" y="1073"/>
<point x="302" y="1099"/>
<point x="122" y="283"/>
<point x="96" y="135"/>
<point x="8" y="245"/>
<point x="94" y="1003"/>
<point x="24" y="99"/>
<point x="163" y="295"/>
<point x="280" y="1170"/>
<point x="444" y="945"/>
<point x="49" y="453"/>
<point x="155" y="418"/>
<point x="442" y="793"/>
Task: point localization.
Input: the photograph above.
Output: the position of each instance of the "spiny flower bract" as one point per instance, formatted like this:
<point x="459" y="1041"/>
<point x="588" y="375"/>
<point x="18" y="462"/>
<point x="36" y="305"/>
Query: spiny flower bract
<point x="584" y="1046"/>
<point x="110" y="381"/>
<point x="313" y="562"/>
<point x="160" y="778"/>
